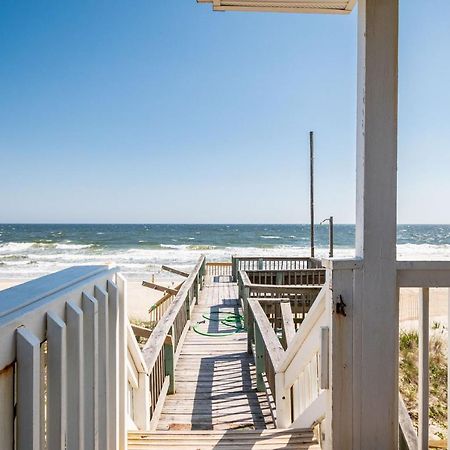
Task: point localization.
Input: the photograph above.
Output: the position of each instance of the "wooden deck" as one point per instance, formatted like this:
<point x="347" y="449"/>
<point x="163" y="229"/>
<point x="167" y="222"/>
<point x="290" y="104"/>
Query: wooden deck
<point x="216" y="385"/>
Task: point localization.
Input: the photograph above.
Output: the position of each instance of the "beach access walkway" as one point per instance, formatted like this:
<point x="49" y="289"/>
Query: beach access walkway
<point x="216" y="403"/>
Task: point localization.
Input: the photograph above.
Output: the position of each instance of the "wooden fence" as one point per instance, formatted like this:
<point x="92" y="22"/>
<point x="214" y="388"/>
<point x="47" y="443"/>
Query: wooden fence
<point x="272" y="263"/>
<point x="216" y="269"/>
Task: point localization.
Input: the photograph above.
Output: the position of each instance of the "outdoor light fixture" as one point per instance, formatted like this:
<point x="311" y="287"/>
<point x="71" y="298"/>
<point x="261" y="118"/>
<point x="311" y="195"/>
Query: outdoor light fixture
<point x="296" y="6"/>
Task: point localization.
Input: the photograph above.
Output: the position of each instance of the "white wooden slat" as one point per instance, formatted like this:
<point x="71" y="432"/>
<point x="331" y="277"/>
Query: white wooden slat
<point x="113" y="325"/>
<point x="283" y="401"/>
<point x="142" y="402"/>
<point x="28" y="390"/>
<point x="7" y="408"/>
<point x="424" y="375"/>
<point x="75" y="371"/>
<point x="313" y="413"/>
<point x="103" y="367"/>
<point x="56" y="383"/>
<point x="90" y="335"/>
<point x="43" y="396"/>
<point x="324" y="357"/>
<point x="122" y="356"/>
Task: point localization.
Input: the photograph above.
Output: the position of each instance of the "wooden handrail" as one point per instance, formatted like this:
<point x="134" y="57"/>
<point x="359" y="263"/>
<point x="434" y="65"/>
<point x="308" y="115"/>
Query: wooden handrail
<point x="164" y="298"/>
<point x="175" y="271"/>
<point x="160" y="288"/>
<point x="308" y="324"/>
<point x="271" y="341"/>
<point x="287" y="322"/>
<point x="162" y="329"/>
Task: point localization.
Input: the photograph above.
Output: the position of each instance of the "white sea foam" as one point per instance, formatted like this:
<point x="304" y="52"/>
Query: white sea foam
<point x="26" y="260"/>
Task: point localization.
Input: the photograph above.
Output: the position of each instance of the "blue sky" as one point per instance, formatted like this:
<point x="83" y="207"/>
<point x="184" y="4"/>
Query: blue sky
<point x="163" y="111"/>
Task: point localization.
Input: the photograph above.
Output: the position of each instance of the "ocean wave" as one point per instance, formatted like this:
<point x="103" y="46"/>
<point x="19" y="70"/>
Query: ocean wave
<point x="23" y="260"/>
<point x="18" y="247"/>
<point x="271" y="237"/>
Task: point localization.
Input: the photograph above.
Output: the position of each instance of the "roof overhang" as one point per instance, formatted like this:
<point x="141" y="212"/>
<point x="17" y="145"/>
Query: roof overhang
<point x="289" y="6"/>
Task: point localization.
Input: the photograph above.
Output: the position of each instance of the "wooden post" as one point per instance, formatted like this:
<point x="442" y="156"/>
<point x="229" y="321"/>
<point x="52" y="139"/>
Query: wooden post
<point x="311" y="188"/>
<point x="259" y="359"/>
<point x="169" y="367"/>
<point x="251" y="324"/>
<point x="375" y="314"/>
<point x="331" y="237"/>
<point x="283" y="402"/>
<point x="424" y="370"/>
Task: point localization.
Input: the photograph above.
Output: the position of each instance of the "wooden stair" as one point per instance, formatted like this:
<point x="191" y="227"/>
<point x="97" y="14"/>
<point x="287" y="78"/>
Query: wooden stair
<point x="226" y="440"/>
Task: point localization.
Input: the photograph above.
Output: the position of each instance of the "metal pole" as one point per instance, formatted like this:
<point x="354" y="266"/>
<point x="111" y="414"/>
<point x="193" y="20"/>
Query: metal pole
<point x="331" y="237"/>
<point x="311" y="187"/>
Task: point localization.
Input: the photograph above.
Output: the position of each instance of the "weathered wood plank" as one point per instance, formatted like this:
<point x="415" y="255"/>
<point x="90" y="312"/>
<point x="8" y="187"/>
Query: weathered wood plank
<point x="175" y="271"/>
<point x="288" y="322"/>
<point x="160" y="288"/>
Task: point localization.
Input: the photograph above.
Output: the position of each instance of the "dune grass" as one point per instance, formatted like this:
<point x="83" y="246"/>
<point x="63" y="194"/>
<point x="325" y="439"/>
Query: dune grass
<point x="409" y="376"/>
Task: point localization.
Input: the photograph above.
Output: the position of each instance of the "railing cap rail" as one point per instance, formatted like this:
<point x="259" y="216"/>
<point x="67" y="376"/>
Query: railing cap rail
<point x="156" y="341"/>
<point x="33" y="291"/>
<point x="271" y="341"/>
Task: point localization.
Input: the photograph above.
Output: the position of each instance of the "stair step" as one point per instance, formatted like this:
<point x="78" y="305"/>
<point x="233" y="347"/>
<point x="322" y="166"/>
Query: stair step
<point x="227" y="440"/>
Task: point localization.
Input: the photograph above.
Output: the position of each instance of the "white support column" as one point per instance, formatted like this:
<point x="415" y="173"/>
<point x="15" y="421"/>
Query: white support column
<point x="75" y="370"/>
<point x="339" y="427"/>
<point x="56" y="382"/>
<point x="375" y="386"/>
<point x="28" y="390"/>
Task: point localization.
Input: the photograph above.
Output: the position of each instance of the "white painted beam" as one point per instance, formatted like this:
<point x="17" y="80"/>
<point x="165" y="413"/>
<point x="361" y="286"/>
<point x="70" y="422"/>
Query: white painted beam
<point x="375" y="387"/>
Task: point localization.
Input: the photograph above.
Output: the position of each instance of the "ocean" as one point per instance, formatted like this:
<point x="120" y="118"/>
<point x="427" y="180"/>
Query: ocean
<point x="31" y="250"/>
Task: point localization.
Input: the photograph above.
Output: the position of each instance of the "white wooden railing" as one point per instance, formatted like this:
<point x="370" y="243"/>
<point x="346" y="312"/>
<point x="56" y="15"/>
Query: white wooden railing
<point x="311" y="380"/>
<point x="272" y="263"/>
<point x="64" y="366"/>
<point x="63" y="354"/>
<point x="424" y="275"/>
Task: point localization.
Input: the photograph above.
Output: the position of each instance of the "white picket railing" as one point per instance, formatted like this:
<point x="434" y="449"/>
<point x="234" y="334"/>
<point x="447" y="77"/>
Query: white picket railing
<point x="305" y="365"/>
<point x="64" y="367"/>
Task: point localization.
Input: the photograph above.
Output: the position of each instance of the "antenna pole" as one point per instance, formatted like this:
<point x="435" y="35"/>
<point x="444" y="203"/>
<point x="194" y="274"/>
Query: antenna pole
<point x="331" y="237"/>
<point x="311" y="187"/>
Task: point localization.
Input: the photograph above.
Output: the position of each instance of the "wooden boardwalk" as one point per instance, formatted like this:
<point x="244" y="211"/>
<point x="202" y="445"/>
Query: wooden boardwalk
<point x="215" y="376"/>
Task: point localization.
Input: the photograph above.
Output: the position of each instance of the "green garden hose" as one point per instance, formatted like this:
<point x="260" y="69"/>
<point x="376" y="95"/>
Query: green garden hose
<point x="231" y="320"/>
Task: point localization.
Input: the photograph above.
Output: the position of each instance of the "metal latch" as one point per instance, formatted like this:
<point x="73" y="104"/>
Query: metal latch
<point x="340" y="306"/>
